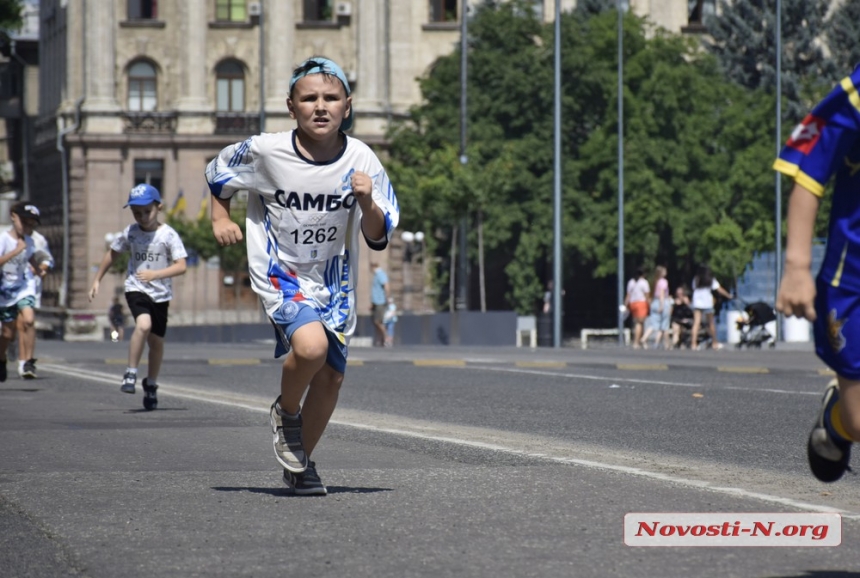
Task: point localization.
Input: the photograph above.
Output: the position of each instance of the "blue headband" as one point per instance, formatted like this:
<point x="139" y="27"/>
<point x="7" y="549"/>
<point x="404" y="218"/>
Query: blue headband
<point x="323" y="66"/>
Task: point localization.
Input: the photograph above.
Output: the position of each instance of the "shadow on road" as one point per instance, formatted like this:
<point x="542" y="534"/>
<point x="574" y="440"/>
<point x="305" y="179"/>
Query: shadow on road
<point x="822" y="574"/>
<point x="286" y="492"/>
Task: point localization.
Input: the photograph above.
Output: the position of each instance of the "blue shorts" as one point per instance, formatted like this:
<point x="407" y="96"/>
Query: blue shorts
<point x="293" y="315"/>
<point x="837" y="329"/>
<point x="657" y="320"/>
<point x="10" y="314"/>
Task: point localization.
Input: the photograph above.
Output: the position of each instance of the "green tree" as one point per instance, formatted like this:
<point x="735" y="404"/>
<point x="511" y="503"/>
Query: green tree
<point x="198" y="239"/>
<point x="697" y="154"/>
<point x="10" y="15"/>
<point x="843" y="32"/>
<point x="744" y="41"/>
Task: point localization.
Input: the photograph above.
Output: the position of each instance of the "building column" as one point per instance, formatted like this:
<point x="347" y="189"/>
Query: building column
<point x="369" y="100"/>
<point x="279" y="47"/>
<point x="101" y="107"/>
<point x="194" y="105"/>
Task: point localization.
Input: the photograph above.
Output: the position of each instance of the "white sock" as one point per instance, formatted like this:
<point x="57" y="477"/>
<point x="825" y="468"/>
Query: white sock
<point x="20" y="365"/>
<point x="131" y="370"/>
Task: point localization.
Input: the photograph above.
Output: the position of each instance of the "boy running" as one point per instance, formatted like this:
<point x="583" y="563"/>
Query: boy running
<point x="312" y="194"/>
<point x="825" y="145"/>
<point x="156" y="254"/>
<point x="16" y="251"/>
<point x="41" y="261"/>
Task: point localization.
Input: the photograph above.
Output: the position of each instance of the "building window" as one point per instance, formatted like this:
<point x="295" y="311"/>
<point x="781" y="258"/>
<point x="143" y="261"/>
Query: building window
<point x="150" y="172"/>
<point x="230" y="86"/>
<point x="699" y="10"/>
<point x="443" y="10"/>
<point x="142" y="9"/>
<point x="317" y="10"/>
<point x="230" y="10"/>
<point x="142" y="87"/>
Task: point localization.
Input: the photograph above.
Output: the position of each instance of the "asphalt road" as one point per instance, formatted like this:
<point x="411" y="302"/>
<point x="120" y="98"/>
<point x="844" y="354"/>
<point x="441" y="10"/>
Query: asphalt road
<point x="439" y="462"/>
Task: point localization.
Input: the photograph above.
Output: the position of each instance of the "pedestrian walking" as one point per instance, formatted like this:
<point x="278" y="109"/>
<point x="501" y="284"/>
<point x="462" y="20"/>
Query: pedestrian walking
<point x="636" y="301"/>
<point x="156" y="255"/>
<point x="314" y="193"/>
<point x="661" y="311"/>
<point x="825" y="146"/>
<point x="116" y="318"/>
<point x="390" y="320"/>
<point x="379" y="302"/>
<point x="704" y="287"/>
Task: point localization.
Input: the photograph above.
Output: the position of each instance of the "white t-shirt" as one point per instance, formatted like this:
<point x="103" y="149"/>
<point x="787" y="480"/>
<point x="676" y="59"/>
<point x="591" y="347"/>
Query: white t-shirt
<point x="703" y="298"/>
<point x="638" y="289"/>
<point x="156" y="250"/>
<point x="13" y="275"/>
<point x="303" y="227"/>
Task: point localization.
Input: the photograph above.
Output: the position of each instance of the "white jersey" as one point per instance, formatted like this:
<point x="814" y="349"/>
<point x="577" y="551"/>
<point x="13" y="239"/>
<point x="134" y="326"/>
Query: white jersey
<point x="13" y="275"/>
<point x="303" y="224"/>
<point x="155" y="250"/>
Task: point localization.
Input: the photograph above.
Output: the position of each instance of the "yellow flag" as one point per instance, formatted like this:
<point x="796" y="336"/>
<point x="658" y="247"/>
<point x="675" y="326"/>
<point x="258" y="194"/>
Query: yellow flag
<point x="204" y="208"/>
<point x="178" y="206"/>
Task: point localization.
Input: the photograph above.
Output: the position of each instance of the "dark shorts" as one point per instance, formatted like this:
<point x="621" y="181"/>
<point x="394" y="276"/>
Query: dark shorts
<point x="837" y="329"/>
<point x="10" y="314"/>
<point x="293" y="315"/>
<point x="142" y="304"/>
<point x="379" y="313"/>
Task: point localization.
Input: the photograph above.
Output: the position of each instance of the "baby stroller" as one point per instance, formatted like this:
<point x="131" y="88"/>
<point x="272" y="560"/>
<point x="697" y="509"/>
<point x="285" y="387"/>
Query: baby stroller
<point x="752" y="325"/>
<point x="682" y="315"/>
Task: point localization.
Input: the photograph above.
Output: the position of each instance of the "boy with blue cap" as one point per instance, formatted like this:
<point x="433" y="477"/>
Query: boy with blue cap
<point x="825" y="145"/>
<point x="313" y="193"/>
<point x="156" y="254"/>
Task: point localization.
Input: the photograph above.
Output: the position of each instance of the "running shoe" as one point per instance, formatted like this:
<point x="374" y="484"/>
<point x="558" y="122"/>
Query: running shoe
<point x="828" y="458"/>
<point x="150" y="395"/>
<point x="128" y="381"/>
<point x="307" y="483"/>
<point x="287" y="440"/>
<point x="29" y="370"/>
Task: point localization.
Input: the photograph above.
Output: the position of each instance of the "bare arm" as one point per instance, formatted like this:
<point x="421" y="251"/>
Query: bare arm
<point x="148" y="275"/>
<point x="6" y="257"/>
<point x="107" y="261"/>
<point x="225" y="230"/>
<point x="797" y="289"/>
<point x="372" y="218"/>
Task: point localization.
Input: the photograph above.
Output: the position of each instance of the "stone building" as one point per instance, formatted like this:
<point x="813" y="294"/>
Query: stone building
<point x="142" y="90"/>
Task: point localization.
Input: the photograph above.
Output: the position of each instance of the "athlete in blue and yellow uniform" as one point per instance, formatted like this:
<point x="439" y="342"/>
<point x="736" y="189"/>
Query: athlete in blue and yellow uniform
<point x="827" y="144"/>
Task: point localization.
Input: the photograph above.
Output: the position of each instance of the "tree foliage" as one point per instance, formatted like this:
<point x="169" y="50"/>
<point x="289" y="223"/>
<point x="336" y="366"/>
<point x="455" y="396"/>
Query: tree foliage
<point x="10" y="15"/>
<point x="843" y="32"/>
<point x="744" y="42"/>
<point x="697" y="154"/>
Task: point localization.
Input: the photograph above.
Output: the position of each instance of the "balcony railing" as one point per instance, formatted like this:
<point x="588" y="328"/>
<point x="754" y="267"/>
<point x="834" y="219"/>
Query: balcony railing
<point x="149" y="122"/>
<point x="242" y="123"/>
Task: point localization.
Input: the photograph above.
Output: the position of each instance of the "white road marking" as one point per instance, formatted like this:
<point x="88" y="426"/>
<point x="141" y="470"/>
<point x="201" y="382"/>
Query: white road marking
<point x="510" y="440"/>
<point x="635" y="380"/>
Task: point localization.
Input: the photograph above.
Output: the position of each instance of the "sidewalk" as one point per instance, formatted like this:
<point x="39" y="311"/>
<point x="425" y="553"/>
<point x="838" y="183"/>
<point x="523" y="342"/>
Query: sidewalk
<point x="786" y="357"/>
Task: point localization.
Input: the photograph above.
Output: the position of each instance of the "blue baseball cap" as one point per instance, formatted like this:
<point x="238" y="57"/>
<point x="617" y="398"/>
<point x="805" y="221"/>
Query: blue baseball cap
<point x="143" y="195"/>
<point x="319" y="65"/>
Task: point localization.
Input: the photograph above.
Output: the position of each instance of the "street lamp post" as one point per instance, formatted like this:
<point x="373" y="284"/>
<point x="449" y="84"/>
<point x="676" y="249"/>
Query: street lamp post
<point x="462" y="288"/>
<point x="260" y="20"/>
<point x="778" y="256"/>
<point x="620" y="98"/>
<point x="556" y="203"/>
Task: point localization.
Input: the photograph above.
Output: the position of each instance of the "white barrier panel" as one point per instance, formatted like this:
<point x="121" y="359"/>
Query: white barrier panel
<point x="733" y="334"/>
<point x="796" y="329"/>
